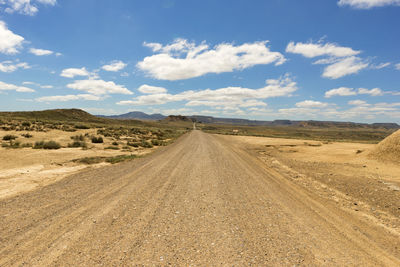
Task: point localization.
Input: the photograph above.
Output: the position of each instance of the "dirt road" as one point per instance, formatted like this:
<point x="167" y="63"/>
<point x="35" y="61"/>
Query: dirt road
<point x="201" y="201"/>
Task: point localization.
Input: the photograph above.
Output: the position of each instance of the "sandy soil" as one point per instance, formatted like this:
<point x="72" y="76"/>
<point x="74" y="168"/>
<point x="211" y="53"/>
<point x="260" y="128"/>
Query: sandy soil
<point x="342" y="172"/>
<point x="205" y="200"/>
<point x="25" y="169"/>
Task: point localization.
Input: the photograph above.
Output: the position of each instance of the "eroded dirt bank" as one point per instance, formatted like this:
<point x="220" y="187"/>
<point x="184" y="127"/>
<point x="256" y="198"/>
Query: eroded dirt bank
<point x="204" y="200"/>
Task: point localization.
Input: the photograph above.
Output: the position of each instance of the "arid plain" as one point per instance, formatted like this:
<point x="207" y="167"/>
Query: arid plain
<point x="173" y="195"/>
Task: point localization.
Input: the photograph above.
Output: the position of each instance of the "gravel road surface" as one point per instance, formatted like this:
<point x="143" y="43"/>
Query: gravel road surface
<point x="201" y="201"/>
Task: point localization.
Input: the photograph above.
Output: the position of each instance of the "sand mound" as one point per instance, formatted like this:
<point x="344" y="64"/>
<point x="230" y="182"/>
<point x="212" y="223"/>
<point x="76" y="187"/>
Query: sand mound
<point x="388" y="148"/>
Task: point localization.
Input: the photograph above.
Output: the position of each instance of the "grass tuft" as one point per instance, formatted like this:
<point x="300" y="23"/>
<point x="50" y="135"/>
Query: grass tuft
<point x="9" y="137"/>
<point x="46" y="145"/>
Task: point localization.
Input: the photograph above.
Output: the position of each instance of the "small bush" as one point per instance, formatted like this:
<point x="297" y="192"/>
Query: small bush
<point x="9" y="137"/>
<point x="51" y="145"/>
<point x="27" y="145"/>
<point x="112" y="147"/>
<point x="78" y="144"/>
<point x="115" y="143"/>
<point x="15" y="144"/>
<point x="27" y="135"/>
<point x="120" y="158"/>
<point x="156" y="142"/>
<point x="318" y="144"/>
<point x="26" y="124"/>
<point x="97" y="140"/>
<point x="146" y="144"/>
<point x="38" y="145"/>
<point x="90" y="160"/>
<point x="78" y="138"/>
<point x="134" y="144"/>
<point x="81" y="126"/>
<point x="5" y="145"/>
<point x="46" y="145"/>
<point x="112" y="160"/>
<point x="67" y="128"/>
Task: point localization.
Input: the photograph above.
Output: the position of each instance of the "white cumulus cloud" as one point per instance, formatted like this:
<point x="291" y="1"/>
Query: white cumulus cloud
<point x="11" y="87"/>
<point x="114" y="66"/>
<point x="72" y="72"/>
<point x="40" y="52"/>
<point x="229" y="97"/>
<point x="184" y="60"/>
<point x="99" y="87"/>
<point x="341" y="91"/>
<point x="367" y="4"/>
<point x="372" y="92"/>
<point x="311" y="104"/>
<point x="10" y="43"/>
<point x="341" y="60"/>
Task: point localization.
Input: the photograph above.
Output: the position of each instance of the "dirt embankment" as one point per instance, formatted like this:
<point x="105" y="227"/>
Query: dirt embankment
<point x="388" y="149"/>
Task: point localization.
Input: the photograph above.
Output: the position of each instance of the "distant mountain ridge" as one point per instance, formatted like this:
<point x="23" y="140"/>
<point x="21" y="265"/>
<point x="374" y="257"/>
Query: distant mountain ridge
<point x="214" y="120"/>
<point x="137" y="115"/>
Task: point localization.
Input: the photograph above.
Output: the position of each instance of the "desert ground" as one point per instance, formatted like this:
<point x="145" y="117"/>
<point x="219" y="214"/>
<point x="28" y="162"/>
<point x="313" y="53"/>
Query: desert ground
<point x="211" y="200"/>
<point x="25" y="169"/>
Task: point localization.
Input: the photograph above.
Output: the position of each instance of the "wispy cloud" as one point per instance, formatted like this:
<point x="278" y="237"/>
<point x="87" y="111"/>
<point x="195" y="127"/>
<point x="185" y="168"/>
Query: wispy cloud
<point x="65" y="98"/>
<point x="11" y="66"/>
<point x="367" y="4"/>
<point x="40" y="52"/>
<point x="148" y="89"/>
<point x="345" y="91"/>
<point x="39" y="85"/>
<point x="25" y="7"/>
<point x="12" y="87"/>
<point x="312" y="50"/>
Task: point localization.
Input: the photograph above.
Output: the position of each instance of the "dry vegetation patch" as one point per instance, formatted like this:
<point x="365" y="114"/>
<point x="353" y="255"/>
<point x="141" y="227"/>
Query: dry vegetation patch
<point x="35" y="152"/>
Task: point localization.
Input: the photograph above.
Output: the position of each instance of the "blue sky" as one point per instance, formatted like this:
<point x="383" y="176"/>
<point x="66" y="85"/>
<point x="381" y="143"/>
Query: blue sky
<point x="279" y="59"/>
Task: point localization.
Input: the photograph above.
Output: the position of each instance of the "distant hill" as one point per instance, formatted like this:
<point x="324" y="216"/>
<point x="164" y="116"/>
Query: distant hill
<point x="177" y="118"/>
<point x="311" y="123"/>
<point x="138" y="115"/>
<point x="72" y="115"/>
<point x="245" y="122"/>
